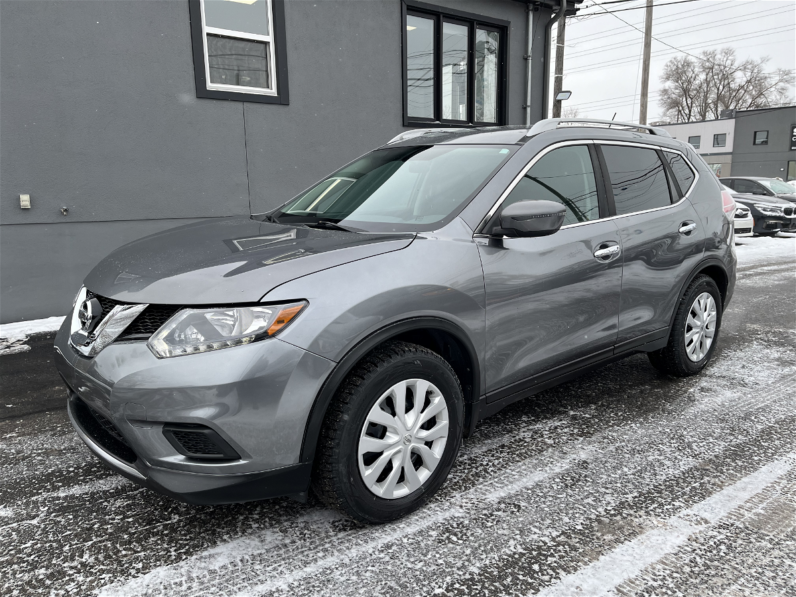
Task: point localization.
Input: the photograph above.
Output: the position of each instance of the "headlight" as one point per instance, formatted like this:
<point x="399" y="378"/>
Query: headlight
<point x="192" y="331"/>
<point x="768" y="210"/>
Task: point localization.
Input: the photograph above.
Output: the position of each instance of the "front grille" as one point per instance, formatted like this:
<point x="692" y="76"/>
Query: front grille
<point x="788" y="211"/>
<point x="107" y="425"/>
<point x="198" y="441"/>
<point x="101" y="430"/>
<point x="741" y="213"/>
<point x="148" y="321"/>
<point x="743" y="230"/>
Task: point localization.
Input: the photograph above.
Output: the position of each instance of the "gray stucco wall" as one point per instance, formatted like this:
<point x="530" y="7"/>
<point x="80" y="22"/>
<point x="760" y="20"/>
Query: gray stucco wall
<point x="763" y="160"/>
<point x="99" y="114"/>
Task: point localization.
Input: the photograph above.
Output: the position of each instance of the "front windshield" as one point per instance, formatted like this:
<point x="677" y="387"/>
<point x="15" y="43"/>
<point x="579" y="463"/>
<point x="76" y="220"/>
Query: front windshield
<point x="398" y="189"/>
<point x="779" y="187"/>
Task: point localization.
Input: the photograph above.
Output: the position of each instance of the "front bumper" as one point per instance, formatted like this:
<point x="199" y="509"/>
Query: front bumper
<point x="257" y="398"/>
<point x="771" y="224"/>
<point x="744" y="226"/>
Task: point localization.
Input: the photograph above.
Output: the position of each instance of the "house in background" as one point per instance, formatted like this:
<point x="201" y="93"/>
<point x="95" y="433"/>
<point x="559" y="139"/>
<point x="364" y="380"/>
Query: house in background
<point x="122" y="119"/>
<point x="745" y="142"/>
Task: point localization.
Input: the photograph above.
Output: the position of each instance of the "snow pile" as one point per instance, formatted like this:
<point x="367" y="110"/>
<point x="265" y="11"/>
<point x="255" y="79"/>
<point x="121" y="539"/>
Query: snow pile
<point x="14" y="335"/>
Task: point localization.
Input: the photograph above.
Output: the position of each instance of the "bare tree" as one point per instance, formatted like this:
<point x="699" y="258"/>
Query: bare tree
<point x="572" y="112"/>
<point x="701" y="89"/>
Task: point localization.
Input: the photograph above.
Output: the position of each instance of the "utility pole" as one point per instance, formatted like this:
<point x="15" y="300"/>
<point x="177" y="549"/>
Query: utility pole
<point x="558" y="77"/>
<point x="645" y="68"/>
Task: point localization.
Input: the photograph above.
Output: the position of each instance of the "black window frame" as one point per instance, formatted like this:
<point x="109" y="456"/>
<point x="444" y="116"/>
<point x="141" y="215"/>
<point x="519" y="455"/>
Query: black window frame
<point x="473" y="21"/>
<point x="763" y="141"/>
<point x="715" y="139"/>
<point x="280" y="59"/>
<point x="698" y="143"/>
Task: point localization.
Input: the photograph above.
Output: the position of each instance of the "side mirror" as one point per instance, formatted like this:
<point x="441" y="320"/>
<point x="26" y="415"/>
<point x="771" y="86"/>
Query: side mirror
<point x="530" y="218"/>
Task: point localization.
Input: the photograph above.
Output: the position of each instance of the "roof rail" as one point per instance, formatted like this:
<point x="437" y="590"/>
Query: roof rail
<point x="551" y="124"/>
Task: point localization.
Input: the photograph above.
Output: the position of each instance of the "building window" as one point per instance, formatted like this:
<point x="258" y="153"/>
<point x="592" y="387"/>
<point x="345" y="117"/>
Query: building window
<point x="694" y="141"/>
<point x="761" y="137"/>
<point x="239" y="50"/>
<point x="720" y="140"/>
<point x="454" y="67"/>
<point x="791" y="171"/>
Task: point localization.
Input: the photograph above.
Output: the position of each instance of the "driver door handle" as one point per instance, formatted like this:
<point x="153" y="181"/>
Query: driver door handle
<point x="607" y="253"/>
<point x="687" y="228"/>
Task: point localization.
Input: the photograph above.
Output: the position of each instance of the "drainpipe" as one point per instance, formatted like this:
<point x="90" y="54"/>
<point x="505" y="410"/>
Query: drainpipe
<point x="529" y="65"/>
<point x="547" y="58"/>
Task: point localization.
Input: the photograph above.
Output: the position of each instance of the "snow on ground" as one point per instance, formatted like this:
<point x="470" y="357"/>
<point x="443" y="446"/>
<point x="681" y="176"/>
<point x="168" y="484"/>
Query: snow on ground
<point x="765" y="249"/>
<point x="21" y="329"/>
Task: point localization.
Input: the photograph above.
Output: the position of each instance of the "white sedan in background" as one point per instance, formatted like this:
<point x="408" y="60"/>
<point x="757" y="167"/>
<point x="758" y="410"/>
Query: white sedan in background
<point x="744" y="223"/>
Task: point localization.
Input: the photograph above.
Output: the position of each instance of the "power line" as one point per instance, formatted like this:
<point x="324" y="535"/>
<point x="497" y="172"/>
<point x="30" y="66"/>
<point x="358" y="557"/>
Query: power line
<point x="618" y="61"/>
<point x="696" y="28"/>
<point x="669" y="19"/>
<point x="633" y="8"/>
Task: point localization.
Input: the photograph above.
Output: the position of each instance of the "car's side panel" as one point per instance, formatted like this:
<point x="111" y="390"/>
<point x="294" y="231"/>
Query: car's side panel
<point x="655" y="255"/>
<point x="549" y="300"/>
<point x="438" y="276"/>
<point x="705" y="197"/>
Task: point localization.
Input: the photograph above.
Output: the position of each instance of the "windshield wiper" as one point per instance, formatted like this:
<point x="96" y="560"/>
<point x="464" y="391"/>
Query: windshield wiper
<point x="327" y="225"/>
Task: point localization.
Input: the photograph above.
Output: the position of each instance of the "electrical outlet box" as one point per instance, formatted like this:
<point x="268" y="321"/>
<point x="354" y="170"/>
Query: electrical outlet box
<point x="24" y="201"/>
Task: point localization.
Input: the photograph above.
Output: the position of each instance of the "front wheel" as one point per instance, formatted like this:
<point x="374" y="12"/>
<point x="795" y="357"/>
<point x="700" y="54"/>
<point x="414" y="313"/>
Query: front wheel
<point x="695" y="332"/>
<point x="391" y="435"/>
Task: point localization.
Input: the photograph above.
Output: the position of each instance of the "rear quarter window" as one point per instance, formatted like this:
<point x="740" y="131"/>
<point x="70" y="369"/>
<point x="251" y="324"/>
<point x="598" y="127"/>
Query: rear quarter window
<point x="682" y="172"/>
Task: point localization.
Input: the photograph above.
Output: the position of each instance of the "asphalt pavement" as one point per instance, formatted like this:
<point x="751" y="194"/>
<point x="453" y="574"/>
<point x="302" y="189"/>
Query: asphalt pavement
<point x="623" y="482"/>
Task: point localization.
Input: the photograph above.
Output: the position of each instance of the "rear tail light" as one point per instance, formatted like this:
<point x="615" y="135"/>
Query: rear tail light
<point x="728" y="203"/>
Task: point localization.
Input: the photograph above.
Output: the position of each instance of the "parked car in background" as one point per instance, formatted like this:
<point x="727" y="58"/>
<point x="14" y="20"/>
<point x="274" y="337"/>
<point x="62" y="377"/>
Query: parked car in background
<point x="770" y="215"/>
<point x="349" y="339"/>
<point x="743" y="220"/>
<point x="758" y="185"/>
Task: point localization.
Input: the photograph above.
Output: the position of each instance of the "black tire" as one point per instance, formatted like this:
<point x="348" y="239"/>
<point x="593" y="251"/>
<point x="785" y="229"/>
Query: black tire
<point x="336" y="477"/>
<point x="673" y="359"/>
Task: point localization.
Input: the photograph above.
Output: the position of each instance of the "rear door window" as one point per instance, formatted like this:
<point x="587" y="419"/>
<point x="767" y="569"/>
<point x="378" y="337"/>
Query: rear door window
<point x="637" y="177"/>
<point x="682" y="172"/>
<point x="566" y="176"/>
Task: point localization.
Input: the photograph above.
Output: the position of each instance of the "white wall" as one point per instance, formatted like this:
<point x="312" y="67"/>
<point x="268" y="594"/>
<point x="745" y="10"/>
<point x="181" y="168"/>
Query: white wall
<point x="705" y="129"/>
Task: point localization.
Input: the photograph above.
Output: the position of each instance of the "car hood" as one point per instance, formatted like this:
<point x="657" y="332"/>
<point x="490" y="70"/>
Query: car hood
<point x="231" y="260"/>
<point x="750" y="199"/>
<point x="791" y="198"/>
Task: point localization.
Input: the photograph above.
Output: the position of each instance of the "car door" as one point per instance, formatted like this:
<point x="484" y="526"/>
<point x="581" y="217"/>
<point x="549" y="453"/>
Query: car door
<point x="661" y="236"/>
<point x="552" y="301"/>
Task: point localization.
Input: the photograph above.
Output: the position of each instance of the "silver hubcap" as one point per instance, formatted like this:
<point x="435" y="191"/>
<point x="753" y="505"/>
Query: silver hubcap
<point x="403" y="438"/>
<point x="700" y="327"/>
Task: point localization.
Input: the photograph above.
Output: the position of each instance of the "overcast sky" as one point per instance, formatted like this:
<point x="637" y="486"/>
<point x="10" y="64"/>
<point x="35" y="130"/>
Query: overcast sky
<point x="603" y="55"/>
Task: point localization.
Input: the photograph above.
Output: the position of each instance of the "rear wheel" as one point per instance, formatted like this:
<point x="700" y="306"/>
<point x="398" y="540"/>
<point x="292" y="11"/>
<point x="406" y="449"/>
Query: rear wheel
<point x="391" y="435"/>
<point x="695" y="330"/>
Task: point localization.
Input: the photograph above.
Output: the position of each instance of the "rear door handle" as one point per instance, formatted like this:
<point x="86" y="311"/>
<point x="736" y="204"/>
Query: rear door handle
<point x="687" y="228"/>
<point x="607" y="253"/>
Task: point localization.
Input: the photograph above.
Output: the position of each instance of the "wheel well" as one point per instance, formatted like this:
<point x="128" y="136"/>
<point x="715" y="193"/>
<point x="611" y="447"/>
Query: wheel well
<point x="719" y="277"/>
<point x="430" y="333"/>
<point x="450" y="348"/>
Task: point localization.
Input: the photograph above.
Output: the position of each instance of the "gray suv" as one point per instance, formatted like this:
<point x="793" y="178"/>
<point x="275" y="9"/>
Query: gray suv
<point x="348" y="340"/>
